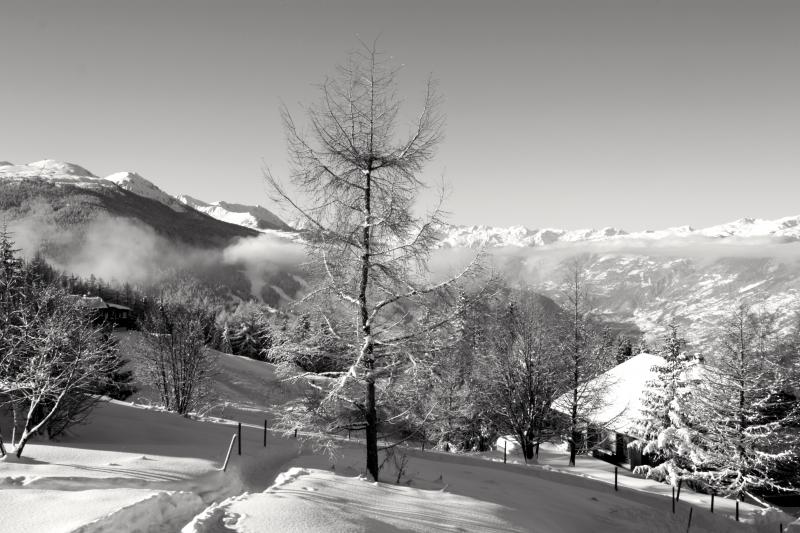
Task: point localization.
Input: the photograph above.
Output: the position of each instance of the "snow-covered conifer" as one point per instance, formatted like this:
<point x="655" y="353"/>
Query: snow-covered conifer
<point x="665" y="429"/>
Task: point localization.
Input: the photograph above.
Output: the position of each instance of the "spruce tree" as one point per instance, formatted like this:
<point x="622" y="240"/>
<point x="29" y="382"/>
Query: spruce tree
<point x="665" y="429"/>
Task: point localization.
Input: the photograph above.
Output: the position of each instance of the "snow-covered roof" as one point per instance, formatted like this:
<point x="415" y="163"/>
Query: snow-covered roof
<point x="619" y="391"/>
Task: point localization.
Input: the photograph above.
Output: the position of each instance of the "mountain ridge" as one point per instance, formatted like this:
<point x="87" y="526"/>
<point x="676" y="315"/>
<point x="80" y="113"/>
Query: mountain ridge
<point x="63" y="173"/>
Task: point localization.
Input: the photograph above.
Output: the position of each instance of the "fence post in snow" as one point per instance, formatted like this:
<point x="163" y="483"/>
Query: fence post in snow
<point x="615" y="478"/>
<point x="680" y="482"/>
<point x="673" y="500"/>
<point x="737" y="509"/>
<point x="228" y="455"/>
<point x="689" y="525"/>
<point x="295" y="432"/>
<point x="240" y="438"/>
<point x="265" y="433"/>
<point x="712" y="502"/>
<point x="505" y="454"/>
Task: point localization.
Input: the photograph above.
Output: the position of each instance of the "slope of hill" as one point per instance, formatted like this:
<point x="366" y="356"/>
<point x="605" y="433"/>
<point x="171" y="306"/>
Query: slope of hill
<point x="134" y="469"/>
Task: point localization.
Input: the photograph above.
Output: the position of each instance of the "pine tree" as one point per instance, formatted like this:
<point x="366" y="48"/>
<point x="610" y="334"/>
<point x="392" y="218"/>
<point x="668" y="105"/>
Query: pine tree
<point x="11" y="266"/>
<point x="665" y="429"/>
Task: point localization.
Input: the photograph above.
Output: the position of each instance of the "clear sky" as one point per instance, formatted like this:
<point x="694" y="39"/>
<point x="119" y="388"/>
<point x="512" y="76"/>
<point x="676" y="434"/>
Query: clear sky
<point x="636" y="114"/>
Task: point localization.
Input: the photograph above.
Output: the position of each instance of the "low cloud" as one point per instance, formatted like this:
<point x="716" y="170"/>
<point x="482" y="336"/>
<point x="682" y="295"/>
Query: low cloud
<point x="534" y="264"/>
<point x="125" y="250"/>
<point x="263" y="258"/>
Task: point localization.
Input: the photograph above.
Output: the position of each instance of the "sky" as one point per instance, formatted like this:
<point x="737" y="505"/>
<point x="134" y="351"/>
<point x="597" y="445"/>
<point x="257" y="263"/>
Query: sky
<point x="635" y="114"/>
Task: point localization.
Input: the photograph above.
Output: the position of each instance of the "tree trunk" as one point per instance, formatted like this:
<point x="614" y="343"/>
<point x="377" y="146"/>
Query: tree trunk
<point x="574" y="435"/>
<point x="366" y="328"/>
<point x="372" y="431"/>
<point x="528" y="450"/>
<point x="573" y="448"/>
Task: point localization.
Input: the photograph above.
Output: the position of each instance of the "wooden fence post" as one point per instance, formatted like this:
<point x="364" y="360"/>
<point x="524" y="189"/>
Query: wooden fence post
<point x="505" y="452"/>
<point x="678" y="496"/>
<point x="228" y="455"/>
<point x="295" y="432"/>
<point x="240" y="438"/>
<point x="673" y="500"/>
<point x="265" y="433"/>
<point x="712" y="502"/>
<point x="615" y="478"/>
<point x="737" y="509"/>
<point x="689" y="525"/>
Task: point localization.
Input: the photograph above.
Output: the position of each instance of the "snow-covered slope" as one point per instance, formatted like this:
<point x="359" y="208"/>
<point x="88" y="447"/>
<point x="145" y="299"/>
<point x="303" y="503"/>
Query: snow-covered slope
<point x="249" y="216"/>
<point x="133" y="182"/>
<point x="133" y="469"/>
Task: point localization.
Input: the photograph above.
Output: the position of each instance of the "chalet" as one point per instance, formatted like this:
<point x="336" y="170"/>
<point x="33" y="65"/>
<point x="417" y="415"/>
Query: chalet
<point x="104" y="312"/>
<point x="615" y="406"/>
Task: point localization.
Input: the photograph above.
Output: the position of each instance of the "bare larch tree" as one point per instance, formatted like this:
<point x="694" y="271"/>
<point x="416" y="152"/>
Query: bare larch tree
<point x="587" y="351"/>
<point x="358" y="180"/>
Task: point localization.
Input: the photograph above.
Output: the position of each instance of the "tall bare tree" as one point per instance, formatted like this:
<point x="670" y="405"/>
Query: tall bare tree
<point x="587" y="351"/>
<point x="358" y="180"/>
<point x="524" y="369"/>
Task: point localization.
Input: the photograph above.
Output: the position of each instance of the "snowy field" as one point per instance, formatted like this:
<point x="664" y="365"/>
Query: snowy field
<point x="133" y="469"/>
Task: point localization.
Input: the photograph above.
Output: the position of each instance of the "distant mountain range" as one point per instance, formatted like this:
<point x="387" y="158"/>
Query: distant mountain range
<point x="649" y="279"/>
<point x="643" y="279"/>
<point x="785" y="229"/>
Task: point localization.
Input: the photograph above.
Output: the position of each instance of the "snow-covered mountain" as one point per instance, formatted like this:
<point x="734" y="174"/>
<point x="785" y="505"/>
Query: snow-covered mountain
<point x="62" y="173"/>
<point x="249" y="216"/>
<point x="57" y="172"/>
<point x="133" y="182"/>
<point x="51" y="197"/>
